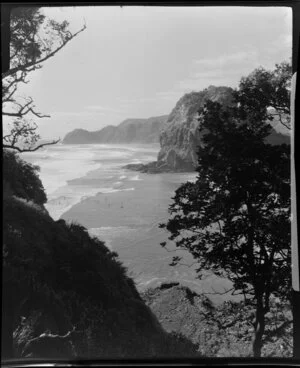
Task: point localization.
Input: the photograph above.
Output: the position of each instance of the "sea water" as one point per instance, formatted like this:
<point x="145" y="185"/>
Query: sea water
<point x="88" y="184"/>
<point x="60" y="165"/>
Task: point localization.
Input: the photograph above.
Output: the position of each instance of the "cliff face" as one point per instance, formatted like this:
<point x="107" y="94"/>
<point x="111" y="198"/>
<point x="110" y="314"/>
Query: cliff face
<point x="129" y="131"/>
<point x="180" y="137"/>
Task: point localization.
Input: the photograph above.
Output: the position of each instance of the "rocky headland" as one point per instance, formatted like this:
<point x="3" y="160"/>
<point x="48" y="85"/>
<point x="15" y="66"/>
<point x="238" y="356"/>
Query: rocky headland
<point x="128" y="132"/>
<point x="180" y="137"/>
<point x="177" y="133"/>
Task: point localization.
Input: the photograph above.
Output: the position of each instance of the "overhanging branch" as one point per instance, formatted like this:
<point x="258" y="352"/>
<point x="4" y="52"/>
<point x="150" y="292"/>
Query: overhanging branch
<point x="29" y="149"/>
<point x="35" y="63"/>
<point x="24" y="110"/>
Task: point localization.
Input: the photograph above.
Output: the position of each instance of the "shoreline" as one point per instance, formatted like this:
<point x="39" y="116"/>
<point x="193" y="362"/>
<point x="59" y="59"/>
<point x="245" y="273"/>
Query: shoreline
<point x="128" y="225"/>
<point x="112" y="202"/>
<point x="156" y="167"/>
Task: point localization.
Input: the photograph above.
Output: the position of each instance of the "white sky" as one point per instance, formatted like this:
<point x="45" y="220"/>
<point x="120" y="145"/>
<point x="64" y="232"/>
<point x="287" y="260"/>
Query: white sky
<point x="138" y="61"/>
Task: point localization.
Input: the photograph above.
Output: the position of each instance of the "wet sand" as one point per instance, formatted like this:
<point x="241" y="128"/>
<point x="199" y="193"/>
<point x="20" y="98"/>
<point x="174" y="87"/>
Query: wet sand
<point x="128" y="220"/>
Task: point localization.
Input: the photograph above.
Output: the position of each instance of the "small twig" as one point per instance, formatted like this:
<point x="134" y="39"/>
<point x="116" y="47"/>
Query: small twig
<point x="24" y="110"/>
<point x="218" y="293"/>
<point x="187" y="265"/>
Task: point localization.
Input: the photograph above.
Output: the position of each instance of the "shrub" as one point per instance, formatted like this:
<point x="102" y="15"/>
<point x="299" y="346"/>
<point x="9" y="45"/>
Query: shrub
<point x="21" y="178"/>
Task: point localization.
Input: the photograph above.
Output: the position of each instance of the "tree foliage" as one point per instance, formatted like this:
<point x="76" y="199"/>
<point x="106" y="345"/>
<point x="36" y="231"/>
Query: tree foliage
<point x="21" y="179"/>
<point x="235" y="219"/>
<point x="34" y="38"/>
<point x="267" y="93"/>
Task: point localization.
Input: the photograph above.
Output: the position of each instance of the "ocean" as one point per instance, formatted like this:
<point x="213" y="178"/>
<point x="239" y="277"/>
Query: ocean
<point x="87" y="184"/>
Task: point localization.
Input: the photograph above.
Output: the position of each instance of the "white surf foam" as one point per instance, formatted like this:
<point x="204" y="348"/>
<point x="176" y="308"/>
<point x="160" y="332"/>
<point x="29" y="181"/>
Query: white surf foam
<point x="135" y="178"/>
<point x="107" y="190"/>
<point x="117" y="184"/>
<point x="62" y="164"/>
<point x="65" y="198"/>
<point x="108" y="233"/>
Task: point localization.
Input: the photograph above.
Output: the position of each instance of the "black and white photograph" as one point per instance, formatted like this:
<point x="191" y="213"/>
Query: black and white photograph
<point x="147" y="172"/>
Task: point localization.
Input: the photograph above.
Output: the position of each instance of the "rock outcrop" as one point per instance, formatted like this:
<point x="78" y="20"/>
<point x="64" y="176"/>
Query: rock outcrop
<point x="223" y="330"/>
<point x="180" y="137"/>
<point x="129" y="131"/>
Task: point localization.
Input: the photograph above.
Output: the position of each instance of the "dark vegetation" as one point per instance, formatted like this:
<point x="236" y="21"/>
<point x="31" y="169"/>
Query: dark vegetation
<point x="56" y="277"/>
<point x="235" y="219"/>
<point x="21" y="179"/>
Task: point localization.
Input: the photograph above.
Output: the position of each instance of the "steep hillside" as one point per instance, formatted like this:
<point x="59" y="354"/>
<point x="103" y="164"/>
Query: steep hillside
<point x="219" y="331"/>
<point x="129" y="131"/>
<point x="56" y="278"/>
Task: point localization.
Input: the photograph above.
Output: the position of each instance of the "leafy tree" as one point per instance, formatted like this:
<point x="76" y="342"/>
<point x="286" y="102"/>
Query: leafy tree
<point x="268" y="92"/>
<point x="235" y="219"/>
<point x="34" y="38"/>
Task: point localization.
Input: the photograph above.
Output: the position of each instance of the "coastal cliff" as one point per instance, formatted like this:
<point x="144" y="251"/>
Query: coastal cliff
<point x="129" y="131"/>
<point x="180" y="137"/>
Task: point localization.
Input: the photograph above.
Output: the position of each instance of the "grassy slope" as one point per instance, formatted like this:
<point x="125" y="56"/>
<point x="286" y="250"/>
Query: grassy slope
<point x="56" y="276"/>
<point x="60" y="277"/>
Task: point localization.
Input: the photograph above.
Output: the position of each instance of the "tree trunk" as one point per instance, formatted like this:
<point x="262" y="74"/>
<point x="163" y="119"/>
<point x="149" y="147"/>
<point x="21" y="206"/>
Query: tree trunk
<point x="259" y="328"/>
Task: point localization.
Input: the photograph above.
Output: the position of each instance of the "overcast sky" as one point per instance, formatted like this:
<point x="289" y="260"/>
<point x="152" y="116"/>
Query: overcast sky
<point x="136" y="62"/>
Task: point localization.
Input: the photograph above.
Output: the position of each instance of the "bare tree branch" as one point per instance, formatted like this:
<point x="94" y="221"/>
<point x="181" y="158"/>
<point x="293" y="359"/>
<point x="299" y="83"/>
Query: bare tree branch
<point x="16" y="80"/>
<point x="29" y="149"/>
<point x="187" y="265"/>
<point x="219" y="292"/>
<point x="24" y="110"/>
<point x="286" y="124"/>
<point x="29" y="51"/>
<point x="9" y="97"/>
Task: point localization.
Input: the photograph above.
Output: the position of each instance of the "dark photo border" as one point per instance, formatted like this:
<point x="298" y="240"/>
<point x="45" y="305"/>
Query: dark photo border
<point x="6" y="8"/>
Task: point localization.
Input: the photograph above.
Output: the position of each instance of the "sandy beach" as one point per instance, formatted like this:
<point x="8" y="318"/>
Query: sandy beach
<point x="129" y="225"/>
<point x="88" y="184"/>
